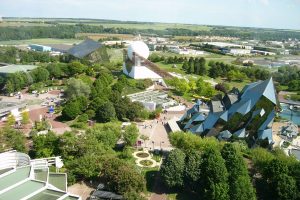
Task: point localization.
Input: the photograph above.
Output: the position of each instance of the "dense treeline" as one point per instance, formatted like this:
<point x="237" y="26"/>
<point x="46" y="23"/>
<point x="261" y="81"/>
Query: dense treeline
<point x="69" y="31"/>
<point x="203" y="168"/>
<point x="231" y="72"/>
<point x="289" y="76"/>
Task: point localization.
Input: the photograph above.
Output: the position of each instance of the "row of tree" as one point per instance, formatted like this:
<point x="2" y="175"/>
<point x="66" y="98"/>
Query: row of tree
<point x="231" y="72"/>
<point x="214" y="170"/>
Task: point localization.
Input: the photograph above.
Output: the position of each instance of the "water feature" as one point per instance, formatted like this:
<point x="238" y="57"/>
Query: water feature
<point x="286" y="114"/>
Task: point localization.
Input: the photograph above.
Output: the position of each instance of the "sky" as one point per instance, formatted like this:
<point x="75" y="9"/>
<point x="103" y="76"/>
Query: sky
<point x="283" y="14"/>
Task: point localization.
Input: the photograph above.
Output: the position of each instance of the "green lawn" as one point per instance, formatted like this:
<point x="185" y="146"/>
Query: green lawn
<point x="169" y="67"/>
<point x="116" y="55"/>
<point x="154" y="26"/>
<point x="106" y="24"/>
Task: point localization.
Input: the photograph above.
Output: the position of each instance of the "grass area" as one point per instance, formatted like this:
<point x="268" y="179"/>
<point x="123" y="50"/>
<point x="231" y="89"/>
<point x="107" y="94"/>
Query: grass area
<point x="40" y="41"/>
<point x="295" y="97"/>
<point x="154" y="26"/>
<point x="106" y="24"/>
<point x="142" y="155"/>
<point x="150" y="174"/>
<point x="146" y="163"/>
<point x="169" y="67"/>
<point x="237" y="84"/>
<point x="115" y="55"/>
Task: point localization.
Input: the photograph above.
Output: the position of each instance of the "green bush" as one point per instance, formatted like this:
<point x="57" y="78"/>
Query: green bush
<point x="83" y="118"/>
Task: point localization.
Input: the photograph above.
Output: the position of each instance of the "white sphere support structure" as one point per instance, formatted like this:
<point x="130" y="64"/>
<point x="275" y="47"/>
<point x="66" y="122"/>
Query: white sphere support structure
<point x="138" y="51"/>
<point x="138" y="47"/>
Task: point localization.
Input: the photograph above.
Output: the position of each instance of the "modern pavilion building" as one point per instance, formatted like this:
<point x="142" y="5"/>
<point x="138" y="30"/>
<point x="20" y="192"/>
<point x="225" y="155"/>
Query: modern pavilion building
<point x="246" y="115"/>
<point x="26" y="179"/>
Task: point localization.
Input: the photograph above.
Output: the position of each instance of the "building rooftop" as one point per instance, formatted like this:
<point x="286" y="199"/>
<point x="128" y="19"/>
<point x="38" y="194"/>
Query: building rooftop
<point x="84" y="48"/>
<point x="8" y="69"/>
<point x="20" y="178"/>
<point x="246" y="102"/>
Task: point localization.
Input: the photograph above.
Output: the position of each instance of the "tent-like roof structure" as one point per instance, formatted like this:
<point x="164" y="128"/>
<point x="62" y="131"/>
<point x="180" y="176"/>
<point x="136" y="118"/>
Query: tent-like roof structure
<point x="251" y="94"/>
<point x="261" y="112"/>
<point x="240" y="133"/>
<point x="195" y="118"/>
<point x="244" y="103"/>
<point x="84" y="48"/>
<point x="224" y="135"/>
<point x="266" y="134"/>
<point x="268" y="122"/>
<point x="100" y="194"/>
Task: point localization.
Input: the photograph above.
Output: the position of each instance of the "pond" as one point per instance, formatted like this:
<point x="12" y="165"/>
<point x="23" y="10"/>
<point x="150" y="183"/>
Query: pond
<point x="293" y="115"/>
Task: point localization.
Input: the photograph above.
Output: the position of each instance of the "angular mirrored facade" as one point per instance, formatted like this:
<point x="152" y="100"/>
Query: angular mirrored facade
<point x="248" y="114"/>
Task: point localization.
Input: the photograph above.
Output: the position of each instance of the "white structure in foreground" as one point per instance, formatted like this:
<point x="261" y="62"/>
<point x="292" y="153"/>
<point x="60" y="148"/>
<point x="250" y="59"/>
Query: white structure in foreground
<point x="134" y="66"/>
<point x="26" y="179"/>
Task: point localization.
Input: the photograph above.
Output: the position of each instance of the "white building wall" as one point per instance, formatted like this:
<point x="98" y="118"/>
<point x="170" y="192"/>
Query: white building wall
<point x="141" y="72"/>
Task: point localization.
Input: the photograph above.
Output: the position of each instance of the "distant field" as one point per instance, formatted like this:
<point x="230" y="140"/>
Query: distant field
<point x="22" y="23"/>
<point x="129" y="25"/>
<point x="159" y="26"/>
<point x="40" y="41"/>
<point x="96" y="36"/>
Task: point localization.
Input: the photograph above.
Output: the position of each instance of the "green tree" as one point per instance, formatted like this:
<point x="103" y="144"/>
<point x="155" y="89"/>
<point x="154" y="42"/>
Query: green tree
<point x="108" y="133"/>
<point x="11" y="120"/>
<point x="40" y="74"/>
<point x="122" y="177"/>
<point x="87" y="166"/>
<point x="45" y="145"/>
<point x="12" y="139"/>
<point x="284" y="187"/>
<point x="185" y="66"/>
<point x="106" y="112"/>
<point x="202" y="69"/>
<point x="130" y="135"/>
<point x="240" y="186"/>
<point x="192" y="169"/>
<point x="134" y="110"/>
<point x="214" y="176"/>
<point x="55" y="70"/>
<point x="172" y="169"/>
<point x="25" y="117"/>
<point x="76" y="88"/>
<point x="9" y="87"/>
<point x="75" y="67"/>
<point x="71" y="110"/>
<point x="197" y="66"/>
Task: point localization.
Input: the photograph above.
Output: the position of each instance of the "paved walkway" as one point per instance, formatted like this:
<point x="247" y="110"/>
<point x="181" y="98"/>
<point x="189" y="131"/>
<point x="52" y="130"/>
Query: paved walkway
<point x="81" y="189"/>
<point x="156" y="130"/>
<point x="57" y="127"/>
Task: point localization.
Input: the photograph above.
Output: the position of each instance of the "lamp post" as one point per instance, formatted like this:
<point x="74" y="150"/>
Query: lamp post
<point x="162" y="142"/>
<point x="153" y="145"/>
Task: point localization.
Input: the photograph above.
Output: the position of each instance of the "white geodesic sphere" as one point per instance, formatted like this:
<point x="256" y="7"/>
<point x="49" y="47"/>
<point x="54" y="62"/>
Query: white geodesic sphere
<point x="139" y="48"/>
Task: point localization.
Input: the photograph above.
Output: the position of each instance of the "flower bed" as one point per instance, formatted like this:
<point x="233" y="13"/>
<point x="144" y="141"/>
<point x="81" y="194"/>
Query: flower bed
<point x="142" y="155"/>
<point x="146" y="163"/>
